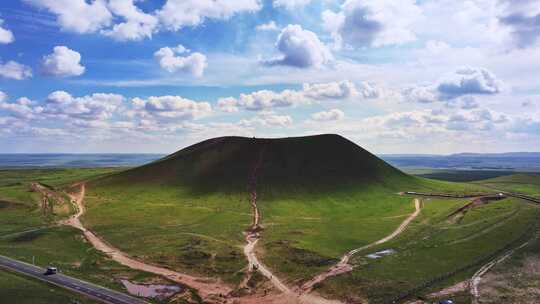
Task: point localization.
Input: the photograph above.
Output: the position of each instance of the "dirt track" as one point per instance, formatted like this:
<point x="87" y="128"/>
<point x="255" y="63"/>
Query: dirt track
<point x="253" y="235"/>
<point x="477" y="277"/>
<point x="206" y="287"/>
<point x="288" y="295"/>
<point x="343" y="266"/>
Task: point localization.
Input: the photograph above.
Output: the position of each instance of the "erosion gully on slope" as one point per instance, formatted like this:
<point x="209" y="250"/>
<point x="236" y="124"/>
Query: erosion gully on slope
<point x="288" y="296"/>
<point x="253" y="234"/>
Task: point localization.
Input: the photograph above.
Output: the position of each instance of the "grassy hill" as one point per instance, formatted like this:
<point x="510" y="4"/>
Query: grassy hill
<point x="320" y="196"/>
<point x="221" y="163"/>
<point x="194" y="205"/>
<point x="528" y="184"/>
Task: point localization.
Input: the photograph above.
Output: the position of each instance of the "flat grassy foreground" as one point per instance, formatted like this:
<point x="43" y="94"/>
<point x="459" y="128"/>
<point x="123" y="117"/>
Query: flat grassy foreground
<point x="21" y="290"/>
<point x="27" y="234"/>
<point x="170" y="226"/>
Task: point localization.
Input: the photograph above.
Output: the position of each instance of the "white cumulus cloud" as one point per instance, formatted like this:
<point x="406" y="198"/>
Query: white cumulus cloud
<point x="291" y="4"/>
<point x="78" y="16"/>
<point x="372" y="23"/>
<point x="469" y="80"/>
<point x="137" y="25"/>
<point x="270" y="26"/>
<point x="63" y="62"/>
<point x="98" y="106"/>
<point x="266" y="99"/>
<point x="228" y="104"/>
<point x="22" y="108"/>
<point x="176" y="107"/>
<point x="464" y="82"/>
<point x="331" y="90"/>
<point x="523" y="20"/>
<point x="176" y="14"/>
<point x="193" y="64"/>
<point x="300" y="48"/>
<point x="331" y="115"/>
<point x="15" y="70"/>
<point x="122" y="20"/>
<point x="6" y="36"/>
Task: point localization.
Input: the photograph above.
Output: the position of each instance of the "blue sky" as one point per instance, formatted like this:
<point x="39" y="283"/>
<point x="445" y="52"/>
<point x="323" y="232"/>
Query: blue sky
<point x="154" y="76"/>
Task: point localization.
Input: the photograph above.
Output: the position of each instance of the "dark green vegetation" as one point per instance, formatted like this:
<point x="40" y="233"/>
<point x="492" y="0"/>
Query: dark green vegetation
<point x="459" y="175"/>
<point x="21" y="290"/>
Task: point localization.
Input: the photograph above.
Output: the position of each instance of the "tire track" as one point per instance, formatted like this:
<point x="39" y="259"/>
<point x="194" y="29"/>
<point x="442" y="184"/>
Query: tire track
<point x="343" y="266"/>
<point x="206" y="287"/>
<point x="477" y="277"/>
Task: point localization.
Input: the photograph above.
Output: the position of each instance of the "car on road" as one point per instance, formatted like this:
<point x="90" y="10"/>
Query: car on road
<point x="51" y="270"/>
<point x="446" y="302"/>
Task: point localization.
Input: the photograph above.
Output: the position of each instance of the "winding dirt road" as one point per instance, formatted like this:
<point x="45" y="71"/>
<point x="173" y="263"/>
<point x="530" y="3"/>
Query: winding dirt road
<point x="207" y="288"/>
<point x="210" y="289"/>
<point x="477" y="277"/>
<point x="343" y="266"/>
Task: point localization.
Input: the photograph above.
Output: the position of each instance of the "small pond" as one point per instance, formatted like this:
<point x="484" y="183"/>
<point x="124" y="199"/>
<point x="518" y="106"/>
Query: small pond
<point x="151" y="290"/>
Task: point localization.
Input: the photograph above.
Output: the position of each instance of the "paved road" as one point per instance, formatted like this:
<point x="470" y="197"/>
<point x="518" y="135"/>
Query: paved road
<point x="98" y="293"/>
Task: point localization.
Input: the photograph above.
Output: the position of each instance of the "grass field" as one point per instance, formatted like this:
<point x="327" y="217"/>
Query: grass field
<point x="189" y="210"/>
<point x="528" y="184"/>
<point x="169" y="226"/>
<point x="432" y="246"/>
<point x="15" y="289"/>
<point x="516" y="280"/>
<point x="319" y="198"/>
<point x="26" y="234"/>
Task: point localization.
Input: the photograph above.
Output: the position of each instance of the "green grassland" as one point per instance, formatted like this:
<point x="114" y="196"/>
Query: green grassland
<point x="528" y="184"/>
<point x="27" y="234"/>
<point x="319" y="197"/>
<point x="21" y="290"/>
<point x="433" y="246"/>
<point x="515" y="280"/>
<point x="169" y="226"/>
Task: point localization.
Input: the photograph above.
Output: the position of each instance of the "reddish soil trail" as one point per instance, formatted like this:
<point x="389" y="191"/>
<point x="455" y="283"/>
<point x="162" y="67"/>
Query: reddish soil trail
<point x="287" y="295"/>
<point x="253" y="234"/>
<point x="476" y="202"/>
<point x="208" y="288"/>
<point x="343" y="266"/>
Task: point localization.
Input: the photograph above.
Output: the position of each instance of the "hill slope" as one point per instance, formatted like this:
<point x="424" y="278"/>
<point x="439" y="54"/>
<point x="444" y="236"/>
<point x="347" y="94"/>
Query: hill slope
<point x="319" y="196"/>
<point x="226" y="162"/>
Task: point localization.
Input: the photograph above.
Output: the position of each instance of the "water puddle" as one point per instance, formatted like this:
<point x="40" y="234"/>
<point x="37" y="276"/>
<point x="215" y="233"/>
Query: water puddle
<point x="151" y="290"/>
<point x="380" y="254"/>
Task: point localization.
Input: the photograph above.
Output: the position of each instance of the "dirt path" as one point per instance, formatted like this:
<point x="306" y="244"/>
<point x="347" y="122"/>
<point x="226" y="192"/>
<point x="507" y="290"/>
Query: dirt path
<point x="477" y="277"/>
<point x="343" y="266"/>
<point x="288" y="295"/>
<point x="207" y="288"/>
<point x="253" y="233"/>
